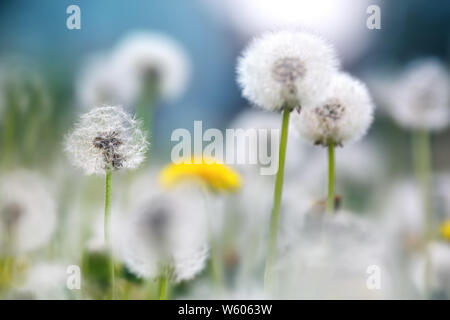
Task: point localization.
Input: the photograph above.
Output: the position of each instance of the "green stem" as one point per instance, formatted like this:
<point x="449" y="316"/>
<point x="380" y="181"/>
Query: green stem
<point x="162" y="288"/>
<point x="422" y="167"/>
<point x="145" y="106"/>
<point x="107" y="226"/>
<point x="331" y="176"/>
<point x="277" y="201"/>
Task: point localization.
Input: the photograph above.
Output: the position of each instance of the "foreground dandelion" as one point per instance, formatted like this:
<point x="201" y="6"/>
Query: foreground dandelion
<point x="104" y="140"/>
<point x="156" y="64"/>
<point x="343" y="115"/>
<point x="283" y="71"/>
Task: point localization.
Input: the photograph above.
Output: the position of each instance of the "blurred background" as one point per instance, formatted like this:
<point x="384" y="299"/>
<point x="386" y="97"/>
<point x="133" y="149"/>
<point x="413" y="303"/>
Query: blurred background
<point x="43" y="68"/>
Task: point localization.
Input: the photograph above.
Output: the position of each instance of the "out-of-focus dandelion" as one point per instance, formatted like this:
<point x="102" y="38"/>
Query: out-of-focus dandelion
<point x="27" y="212"/>
<point x="444" y="230"/>
<point x="106" y="139"/>
<point x="420" y="97"/>
<point x="27" y="219"/>
<point x="283" y="71"/>
<point x="211" y="176"/>
<point x="101" y="83"/>
<point x="420" y="101"/>
<point x="156" y="64"/>
<point x="166" y="237"/>
<point x="44" y="281"/>
<point x="214" y="176"/>
<point x="344" y="114"/>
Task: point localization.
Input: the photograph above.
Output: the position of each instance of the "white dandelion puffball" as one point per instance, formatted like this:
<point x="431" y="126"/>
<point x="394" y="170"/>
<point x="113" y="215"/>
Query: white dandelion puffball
<point x="45" y="281"/>
<point x="167" y="231"/>
<point x="145" y="56"/>
<point x="106" y="137"/>
<point x="27" y="212"/>
<point x="420" y="99"/>
<point x="344" y="114"/>
<point x="100" y="83"/>
<point x="285" y="69"/>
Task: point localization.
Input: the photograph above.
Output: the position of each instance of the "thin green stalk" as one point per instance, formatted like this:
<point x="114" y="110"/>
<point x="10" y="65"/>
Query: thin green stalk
<point x="145" y="106"/>
<point x="162" y="288"/>
<point x="107" y="226"/>
<point x="270" y="259"/>
<point x="331" y="176"/>
<point x="422" y="167"/>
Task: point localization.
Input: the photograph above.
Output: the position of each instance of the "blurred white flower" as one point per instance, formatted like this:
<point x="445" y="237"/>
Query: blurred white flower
<point x="420" y="99"/>
<point x="404" y="212"/>
<point x="146" y="56"/>
<point x="44" y="281"/>
<point x="100" y="83"/>
<point x="106" y="137"/>
<point x="27" y="212"/>
<point x="331" y="260"/>
<point x="167" y="231"/>
<point x="343" y="114"/>
<point x="285" y="68"/>
<point x="440" y="264"/>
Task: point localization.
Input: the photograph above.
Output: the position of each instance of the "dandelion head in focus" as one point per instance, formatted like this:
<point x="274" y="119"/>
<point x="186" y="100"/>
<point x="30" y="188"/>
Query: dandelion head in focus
<point x="167" y="233"/>
<point x="27" y="212"/>
<point x="152" y="58"/>
<point x="106" y="137"/>
<point x="420" y="99"/>
<point x="209" y="173"/>
<point x="444" y="230"/>
<point x="285" y="69"/>
<point x="344" y="114"/>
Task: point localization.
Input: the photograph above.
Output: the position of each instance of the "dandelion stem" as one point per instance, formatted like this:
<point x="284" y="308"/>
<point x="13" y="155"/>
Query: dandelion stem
<point x="162" y="287"/>
<point x="277" y="201"/>
<point x="145" y="107"/>
<point x="107" y="225"/>
<point x="422" y="167"/>
<point x="331" y="176"/>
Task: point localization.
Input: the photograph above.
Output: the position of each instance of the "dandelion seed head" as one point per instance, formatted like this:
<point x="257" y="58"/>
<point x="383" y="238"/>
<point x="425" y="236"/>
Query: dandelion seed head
<point x="106" y="137"/>
<point x="285" y="68"/>
<point x="156" y="57"/>
<point x="344" y="115"/>
<point x="44" y="281"/>
<point x="420" y="99"/>
<point x="167" y="230"/>
<point x="27" y="212"/>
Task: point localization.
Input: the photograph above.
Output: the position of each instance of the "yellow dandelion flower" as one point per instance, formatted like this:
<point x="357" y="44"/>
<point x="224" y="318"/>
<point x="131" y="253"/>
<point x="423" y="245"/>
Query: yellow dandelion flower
<point x="216" y="176"/>
<point x="445" y="230"/>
